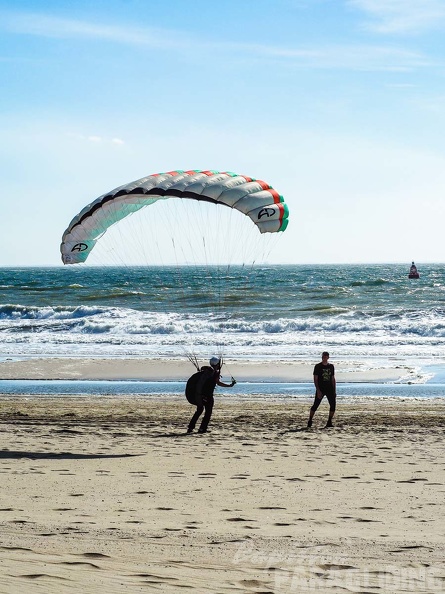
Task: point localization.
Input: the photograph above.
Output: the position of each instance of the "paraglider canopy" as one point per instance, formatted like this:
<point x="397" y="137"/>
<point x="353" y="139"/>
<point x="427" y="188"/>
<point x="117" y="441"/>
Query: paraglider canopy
<point x="252" y="197"/>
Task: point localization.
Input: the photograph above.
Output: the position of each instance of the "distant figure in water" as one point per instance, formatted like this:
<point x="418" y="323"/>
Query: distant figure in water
<point x="325" y="385"/>
<point x="210" y="378"/>
<point x="413" y="272"/>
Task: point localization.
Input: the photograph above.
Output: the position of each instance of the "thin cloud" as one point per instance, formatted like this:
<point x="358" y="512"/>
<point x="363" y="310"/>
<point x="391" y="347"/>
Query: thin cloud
<point x="95" y="139"/>
<point x="352" y="57"/>
<point x="42" y="25"/>
<point x="401" y="86"/>
<point x="402" y="16"/>
<point x="347" y="57"/>
<point x="434" y="105"/>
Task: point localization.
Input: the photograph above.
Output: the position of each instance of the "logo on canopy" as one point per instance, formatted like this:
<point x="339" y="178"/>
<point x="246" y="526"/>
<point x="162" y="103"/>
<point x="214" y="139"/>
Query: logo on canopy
<point x="79" y="247"/>
<point x="266" y="212"/>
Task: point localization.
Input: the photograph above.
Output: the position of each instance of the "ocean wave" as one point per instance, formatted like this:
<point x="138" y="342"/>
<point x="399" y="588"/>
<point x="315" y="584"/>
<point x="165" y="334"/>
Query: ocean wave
<point x="376" y="282"/>
<point x="113" y="320"/>
<point x="23" y="312"/>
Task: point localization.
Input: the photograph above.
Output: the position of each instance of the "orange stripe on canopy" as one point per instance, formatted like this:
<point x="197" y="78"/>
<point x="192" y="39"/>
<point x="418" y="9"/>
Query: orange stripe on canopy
<point x="263" y="184"/>
<point x="276" y="196"/>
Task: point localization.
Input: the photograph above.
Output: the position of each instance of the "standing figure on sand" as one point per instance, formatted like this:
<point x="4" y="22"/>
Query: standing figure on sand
<point x="325" y="385"/>
<point x="203" y="387"/>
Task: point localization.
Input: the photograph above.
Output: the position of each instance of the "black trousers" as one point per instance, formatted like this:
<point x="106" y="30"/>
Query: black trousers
<point x="331" y="399"/>
<point x="207" y="405"/>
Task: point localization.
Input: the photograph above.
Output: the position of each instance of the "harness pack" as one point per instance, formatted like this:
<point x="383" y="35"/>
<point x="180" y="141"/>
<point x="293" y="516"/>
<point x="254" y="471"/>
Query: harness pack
<point x="195" y="386"/>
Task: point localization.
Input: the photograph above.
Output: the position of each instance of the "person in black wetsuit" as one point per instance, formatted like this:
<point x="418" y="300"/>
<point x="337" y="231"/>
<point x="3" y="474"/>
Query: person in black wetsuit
<point x="325" y="385"/>
<point x="206" y="386"/>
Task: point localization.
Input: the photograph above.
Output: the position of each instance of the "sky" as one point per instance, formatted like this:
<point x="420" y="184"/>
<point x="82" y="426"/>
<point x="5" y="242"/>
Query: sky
<point x="338" y="104"/>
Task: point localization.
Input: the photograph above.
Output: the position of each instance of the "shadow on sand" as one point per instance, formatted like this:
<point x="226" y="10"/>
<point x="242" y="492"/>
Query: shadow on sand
<point x="159" y="435"/>
<point x="14" y="454"/>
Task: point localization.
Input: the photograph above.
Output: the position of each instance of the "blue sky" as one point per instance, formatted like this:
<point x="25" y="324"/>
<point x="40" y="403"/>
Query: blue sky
<point x="340" y="105"/>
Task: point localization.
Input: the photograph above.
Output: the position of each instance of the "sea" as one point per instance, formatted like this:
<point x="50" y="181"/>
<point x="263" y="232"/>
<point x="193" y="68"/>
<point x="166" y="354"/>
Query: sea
<point x="373" y="314"/>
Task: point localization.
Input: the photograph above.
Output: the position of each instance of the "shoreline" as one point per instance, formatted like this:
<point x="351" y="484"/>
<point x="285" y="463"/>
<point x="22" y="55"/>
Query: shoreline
<point x="149" y="369"/>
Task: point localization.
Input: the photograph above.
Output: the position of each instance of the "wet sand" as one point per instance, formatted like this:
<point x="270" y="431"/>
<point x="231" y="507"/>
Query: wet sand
<point x="111" y="495"/>
<point x="180" y="369"/>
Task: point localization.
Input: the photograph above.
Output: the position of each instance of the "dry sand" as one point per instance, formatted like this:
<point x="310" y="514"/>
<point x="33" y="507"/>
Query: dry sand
<point x="110" y="495"/>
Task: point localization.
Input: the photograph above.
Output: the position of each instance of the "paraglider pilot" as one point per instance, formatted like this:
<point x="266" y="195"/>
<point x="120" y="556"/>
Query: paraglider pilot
<point x="209" y="378"/>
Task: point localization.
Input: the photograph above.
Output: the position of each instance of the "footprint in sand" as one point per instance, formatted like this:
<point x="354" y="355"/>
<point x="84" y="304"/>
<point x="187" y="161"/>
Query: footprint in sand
<point x="255" y="584"/>
<point x="151" y="578"/>
<point x="85" y="563"/>
<point x="36" y="576"/>
<point x="334" y="567"/>
<point x="406" y="548"/>
<point x="15" y="549"/>
<point x="95" y="555"/>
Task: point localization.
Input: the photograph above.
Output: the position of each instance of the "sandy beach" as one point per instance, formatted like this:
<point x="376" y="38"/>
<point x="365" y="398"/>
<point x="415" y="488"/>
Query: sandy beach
<point x="111" y="495"/>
